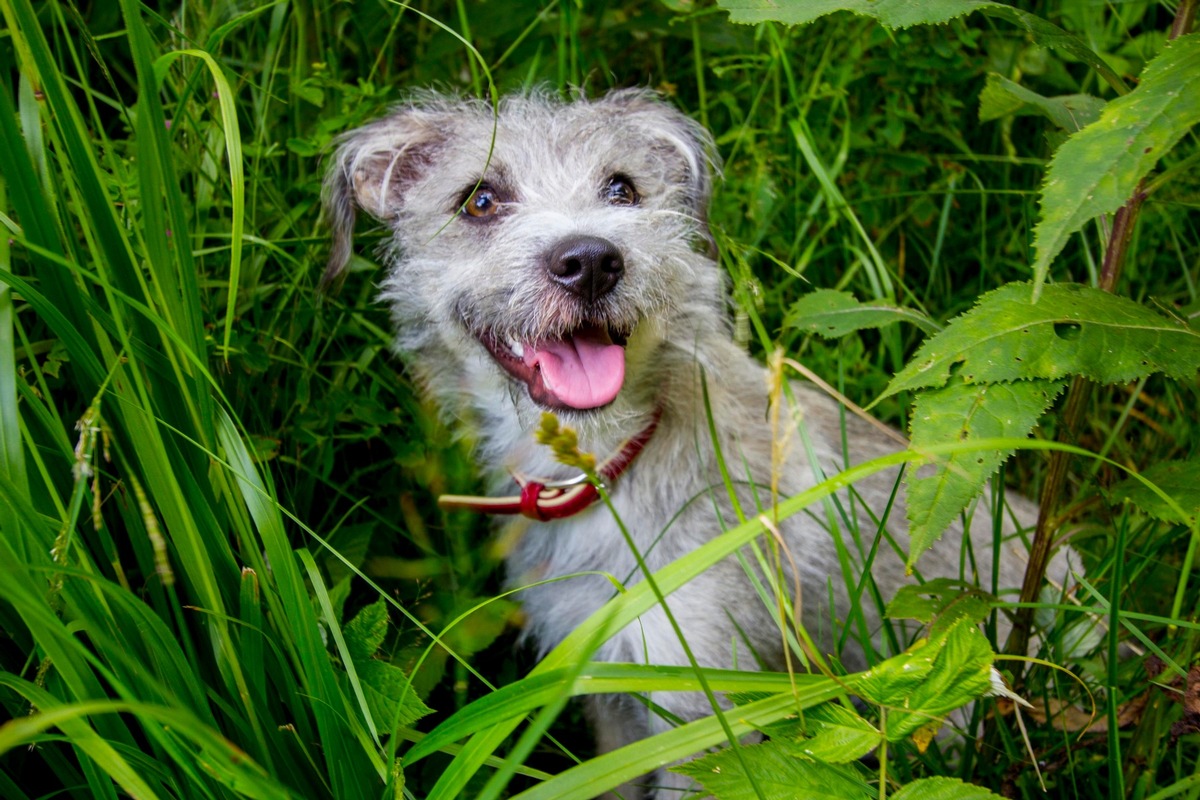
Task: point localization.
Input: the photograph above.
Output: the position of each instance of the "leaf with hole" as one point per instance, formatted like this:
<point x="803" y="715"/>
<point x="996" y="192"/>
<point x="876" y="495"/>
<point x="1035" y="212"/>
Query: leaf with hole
<point x="1071" y="330"/>
<point x="939" y="597"/>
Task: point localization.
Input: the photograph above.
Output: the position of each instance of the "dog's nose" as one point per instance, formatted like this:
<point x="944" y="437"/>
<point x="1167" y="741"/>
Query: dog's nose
<point x="586" y="266"/>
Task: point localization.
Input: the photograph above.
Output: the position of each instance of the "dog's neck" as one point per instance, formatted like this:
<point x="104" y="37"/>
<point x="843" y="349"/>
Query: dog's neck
<point x="544" y="499"/>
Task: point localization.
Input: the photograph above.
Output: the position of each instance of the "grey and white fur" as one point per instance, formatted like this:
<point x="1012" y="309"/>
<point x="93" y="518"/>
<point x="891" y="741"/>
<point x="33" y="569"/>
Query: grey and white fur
<point x="562" y="221"/>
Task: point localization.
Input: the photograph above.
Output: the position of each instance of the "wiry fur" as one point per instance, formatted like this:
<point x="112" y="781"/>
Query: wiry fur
<point x="450" y="278"/>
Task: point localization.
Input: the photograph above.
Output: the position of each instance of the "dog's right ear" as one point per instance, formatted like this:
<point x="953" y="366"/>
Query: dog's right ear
<point x="370" y="170"/>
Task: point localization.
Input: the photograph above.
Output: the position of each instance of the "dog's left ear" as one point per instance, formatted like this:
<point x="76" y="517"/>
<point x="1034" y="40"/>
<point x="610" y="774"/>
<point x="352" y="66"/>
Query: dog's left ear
<point x="677" y="136"/>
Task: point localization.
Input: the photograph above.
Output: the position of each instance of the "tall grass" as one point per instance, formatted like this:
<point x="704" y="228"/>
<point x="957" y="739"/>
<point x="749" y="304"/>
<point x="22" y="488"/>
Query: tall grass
<point x="209" y="480"/>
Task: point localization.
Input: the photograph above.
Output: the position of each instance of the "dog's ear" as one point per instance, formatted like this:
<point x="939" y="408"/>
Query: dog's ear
<point x="370" y="170"/>
<point x="677" y="136"/>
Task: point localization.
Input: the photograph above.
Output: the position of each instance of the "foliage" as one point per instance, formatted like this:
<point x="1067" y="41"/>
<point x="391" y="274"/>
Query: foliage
<point x="222" y="569"/>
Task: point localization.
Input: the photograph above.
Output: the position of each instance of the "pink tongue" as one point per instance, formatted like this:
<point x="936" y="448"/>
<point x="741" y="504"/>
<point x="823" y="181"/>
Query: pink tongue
<point x="585" y="370"/>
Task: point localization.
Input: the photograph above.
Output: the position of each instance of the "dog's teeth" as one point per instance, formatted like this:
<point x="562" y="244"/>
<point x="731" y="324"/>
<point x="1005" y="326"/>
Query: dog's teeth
<point x="517" y="348"/>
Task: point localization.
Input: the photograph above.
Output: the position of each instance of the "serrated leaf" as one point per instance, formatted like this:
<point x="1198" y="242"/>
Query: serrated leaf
<point x="391" y="699"/>
<point x="890" y="13"/>
<point x="1001" y="97"/>
<point x="938" y="597"/>
<point x="1071" y="330"/>
<point x="906" y="13"/>
<point x="1096" y="170"/>
<point x="930" y="679"/>
<point x="964" y="412"/>
<point x="389" y="694"/>
<point x="970" y="605"/>
<point x="837" y="734"/>
<point x="778" y="773"/>
<point x="890" y="682"/>
<point x="1180" y="480"/>
<point x="365" y="633"/>
<point x="830" y="313"/>
<point x="943" y="789"/>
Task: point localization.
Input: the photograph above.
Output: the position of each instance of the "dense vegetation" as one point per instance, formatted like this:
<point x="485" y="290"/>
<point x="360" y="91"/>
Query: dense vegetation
<point x="222" y="569"/>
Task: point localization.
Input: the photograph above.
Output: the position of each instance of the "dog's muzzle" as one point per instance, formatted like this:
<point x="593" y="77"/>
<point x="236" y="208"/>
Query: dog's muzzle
<point x="583" y="368"/>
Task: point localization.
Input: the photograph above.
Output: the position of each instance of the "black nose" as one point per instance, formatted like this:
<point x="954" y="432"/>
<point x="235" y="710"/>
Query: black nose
<point x="586" y="266"/>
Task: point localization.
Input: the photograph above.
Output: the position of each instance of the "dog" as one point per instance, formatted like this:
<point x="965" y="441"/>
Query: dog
<point x="553" y="255"/>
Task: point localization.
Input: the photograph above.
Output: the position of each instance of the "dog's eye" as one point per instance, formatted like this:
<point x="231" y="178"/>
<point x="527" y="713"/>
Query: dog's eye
<point x="619" y="191"/>
<point x="483" y="202"/>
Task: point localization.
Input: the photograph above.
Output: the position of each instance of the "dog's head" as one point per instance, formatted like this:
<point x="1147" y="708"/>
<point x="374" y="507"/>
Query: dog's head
<point x="545" y="249"/>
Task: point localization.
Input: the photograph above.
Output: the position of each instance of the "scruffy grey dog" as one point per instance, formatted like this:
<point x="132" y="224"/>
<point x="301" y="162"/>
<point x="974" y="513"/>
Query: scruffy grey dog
<point x="556" y="256"/>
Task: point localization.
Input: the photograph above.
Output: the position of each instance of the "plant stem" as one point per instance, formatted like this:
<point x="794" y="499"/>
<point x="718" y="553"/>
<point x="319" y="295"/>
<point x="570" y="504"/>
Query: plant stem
<point x="1056" y="475"/>
<point x="1184" y="17"/>
<point x="1114" y="259"/>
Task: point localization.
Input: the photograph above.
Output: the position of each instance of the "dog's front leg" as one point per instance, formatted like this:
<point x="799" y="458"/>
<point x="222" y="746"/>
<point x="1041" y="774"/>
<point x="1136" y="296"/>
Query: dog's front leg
<point x="618" y="720"/>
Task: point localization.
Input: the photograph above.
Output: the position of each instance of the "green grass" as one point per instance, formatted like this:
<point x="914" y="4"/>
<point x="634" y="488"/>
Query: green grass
<point x="207" y="473"/>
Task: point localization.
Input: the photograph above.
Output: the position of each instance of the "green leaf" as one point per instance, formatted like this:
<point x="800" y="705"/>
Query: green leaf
<point x="930" y="679"/>
<point x="936" y="598"/>
<point x="964" y="412"/>
<point x="906" y="13"/>
<point x="830" y="313"/>
<point x="943" y="789"/>
<point x="779" y="773"/>
<point x="1096" y="170"/>
<point x="390" y="697"/>
<point x="838" y="734"/>
<point x="890" y="13"/>
<point x="1072" y="330"/>
<point x="389" y="694"/>
<point x="1179" y="480"/>
<point x="1001" y="97"/>
<point x="365" y="633"/>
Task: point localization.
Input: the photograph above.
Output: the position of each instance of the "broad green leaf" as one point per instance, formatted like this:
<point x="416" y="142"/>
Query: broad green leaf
<point x="779" y="774"/>
<point x="963" y="412"/>
<point x="930" y="679"/>
<point x="1072" y="330"/>
<point x="1001" y="97"/>
<point x="365" y="633"/>
<point x="1097" y="169"/>
<point x="1179" y="480"/>
<point x="388" y="691"/>
<point x="906" y="13"/>
<point x="890" y="13"/>
<point x="830" y="313"/>
<point x="937" y="598"/>
<point x="943" y="789"/>
<point x="390" y="696"/>
<point x="890" y="682"/>
<point x="837" y="734"/>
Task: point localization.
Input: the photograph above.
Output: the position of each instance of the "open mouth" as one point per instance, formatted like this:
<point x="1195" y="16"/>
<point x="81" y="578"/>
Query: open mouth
<point x="583" y="369"/>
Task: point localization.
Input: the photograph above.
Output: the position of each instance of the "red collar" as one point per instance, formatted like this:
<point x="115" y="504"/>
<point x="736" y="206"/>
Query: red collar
<point x="546" y="500"/>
